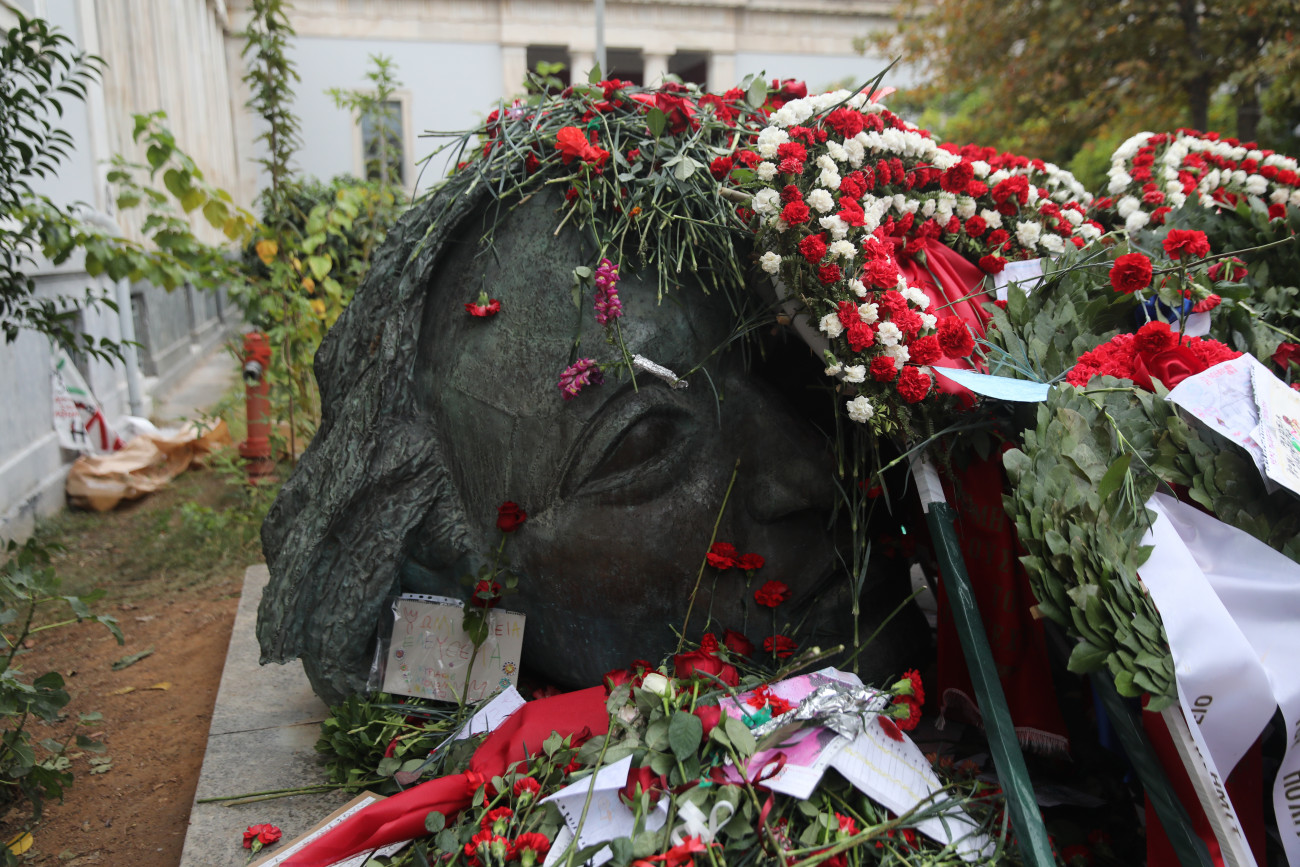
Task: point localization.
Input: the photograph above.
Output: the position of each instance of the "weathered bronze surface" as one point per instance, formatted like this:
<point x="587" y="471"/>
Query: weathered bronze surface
<point x="432" y="418"/>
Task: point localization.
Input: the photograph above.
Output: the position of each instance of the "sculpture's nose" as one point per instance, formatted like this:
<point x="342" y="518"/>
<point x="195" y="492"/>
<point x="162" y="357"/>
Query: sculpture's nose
<point x="786" y="466"/>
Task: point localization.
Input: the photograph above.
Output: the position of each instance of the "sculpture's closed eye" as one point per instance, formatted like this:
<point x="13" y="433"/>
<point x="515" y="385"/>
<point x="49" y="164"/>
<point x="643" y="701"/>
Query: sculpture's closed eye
<point x="635" y="448"/>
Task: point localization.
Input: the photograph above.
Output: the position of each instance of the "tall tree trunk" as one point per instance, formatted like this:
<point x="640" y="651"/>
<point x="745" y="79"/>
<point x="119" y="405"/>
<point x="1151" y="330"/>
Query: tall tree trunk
<point x="1248" y="112"/>
<point x="1197" y="88"/>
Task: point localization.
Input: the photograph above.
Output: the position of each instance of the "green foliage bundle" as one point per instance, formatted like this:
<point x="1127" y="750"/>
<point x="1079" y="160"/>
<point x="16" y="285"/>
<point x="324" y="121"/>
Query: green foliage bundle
<point x="33" y="768"/>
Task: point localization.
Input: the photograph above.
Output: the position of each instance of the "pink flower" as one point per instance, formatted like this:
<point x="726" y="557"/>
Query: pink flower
<point x="578" y="376"/>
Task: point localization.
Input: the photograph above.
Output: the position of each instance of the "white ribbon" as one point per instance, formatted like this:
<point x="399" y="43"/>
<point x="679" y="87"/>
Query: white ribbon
<point x="696" y="824"/>
<point x="1260" y="590"/>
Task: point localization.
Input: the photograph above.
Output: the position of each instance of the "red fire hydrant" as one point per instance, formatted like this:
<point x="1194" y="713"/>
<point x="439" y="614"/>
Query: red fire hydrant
<point x="256" y="449"/>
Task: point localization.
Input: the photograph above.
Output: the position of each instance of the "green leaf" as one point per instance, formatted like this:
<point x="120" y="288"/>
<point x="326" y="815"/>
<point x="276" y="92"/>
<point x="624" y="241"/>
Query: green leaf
<point x="215" y="213"/>
<point x="319" y="265"/>
<point x="157" y="155"/>
<point x="741" y="738"/>
<point x="1086" y="657"/>
<point x="757" y="93"/>
<point x="594" y="76"/>
<point x="685" y="731"/>
<point x="1114" y="477"/>
<point x="656" y="120"/>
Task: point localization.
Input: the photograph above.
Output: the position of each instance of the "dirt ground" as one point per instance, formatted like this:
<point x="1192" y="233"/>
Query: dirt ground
<point x="172" y="575"/>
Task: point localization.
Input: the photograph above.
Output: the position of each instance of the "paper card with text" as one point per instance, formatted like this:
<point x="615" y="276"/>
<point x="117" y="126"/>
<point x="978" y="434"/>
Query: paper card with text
<point x="430" y="654"/>
<point x="1279" y="426"/>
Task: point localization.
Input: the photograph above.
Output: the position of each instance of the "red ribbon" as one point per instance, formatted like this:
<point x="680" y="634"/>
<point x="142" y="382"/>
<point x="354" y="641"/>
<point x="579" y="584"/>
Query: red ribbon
<point x="401" y="817"/>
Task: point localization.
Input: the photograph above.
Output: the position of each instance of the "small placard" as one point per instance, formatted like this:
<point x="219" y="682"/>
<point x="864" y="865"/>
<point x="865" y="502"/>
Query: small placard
<point x="1279" y="427"/>
<point x="430" y="654"/>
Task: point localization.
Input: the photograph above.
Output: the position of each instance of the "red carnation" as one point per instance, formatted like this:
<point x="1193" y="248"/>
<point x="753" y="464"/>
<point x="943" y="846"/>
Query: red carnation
<point x="955" y="338"/>
<point x="957" y="178"/>
<point x="1190" y="241"/>
<point x="883" y="368"/>
<point x="997" y="238"/>
<point x="848" y="314"/>
<point x="484" y="308"/>
<point x="750" y="562"/>
<point x="992" y="264"/>
<point x="1228" y="269"/>
<point x="772" y="594"/>
<point x="845" y="121"/>
<point x="913" y="385"/>
<point x="510" y="517"/>
<point x="881" y="273"/>
<point x="263" y="835"/>
<point x="925" y="350"/>
<point x="1208" y="303"/>
<point x="829" y="274"/>
<point x="790" y="193"/>
<point x="722" y="555"/>
<point x="976" y="226"/>
<point x="780" y="646"/>
<point x="720" y="167"/>
<point x="1130" y="273"/>
<point x="795" y="213"/>
<point x="860" y="336"/>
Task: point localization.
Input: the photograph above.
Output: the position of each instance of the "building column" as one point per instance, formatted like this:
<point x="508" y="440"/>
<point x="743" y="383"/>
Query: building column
<point x="580" y="63"/>
<point x="514" y="67"/>
<point x="722" y="72"/>
<point x="654" y="68"/>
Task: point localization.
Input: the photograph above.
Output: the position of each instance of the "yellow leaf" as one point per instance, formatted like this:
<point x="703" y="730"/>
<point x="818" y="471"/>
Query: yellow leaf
<point x="123" y="691"/>
<point x="319" y="306"/>
<point x="164" y="685"/>
<point x="308" y="283"/>
<point x="266" y="250"/>
<point x="21" y="843"/>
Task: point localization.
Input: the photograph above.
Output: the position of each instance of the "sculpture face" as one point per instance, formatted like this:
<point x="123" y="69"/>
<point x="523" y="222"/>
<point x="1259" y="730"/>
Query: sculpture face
<point x="623" y="485"/>
<point x="432" y="418"/>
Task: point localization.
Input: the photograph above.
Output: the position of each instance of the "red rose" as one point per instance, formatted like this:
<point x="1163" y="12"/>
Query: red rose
<point x="487" y="594"/>
<point x="642" y="780"/>
<point x="860" y="336"/>
<point x="1285" y="354"/>
<point x="772" y="594"/>
<point x="737" y="643"/>
<point x="1190" y="241"/>
<point x="722" y="555"/>
<point x="1130" y="273"/>
<point x="688" y="664"/>
<point x="925" y="350"/>
<point x="813" y="248"/>
<point x="710" y="715"/>
<point x="1171" y="366"/>
<point x="883" y="368"/>
<point x="913" y="385"/>
<point x="616" y="678"/>
<point x="954" y="338"/>
<point x="780" y="646"/>
<point x="510" y="517"/>
<point x="992" y="264"/>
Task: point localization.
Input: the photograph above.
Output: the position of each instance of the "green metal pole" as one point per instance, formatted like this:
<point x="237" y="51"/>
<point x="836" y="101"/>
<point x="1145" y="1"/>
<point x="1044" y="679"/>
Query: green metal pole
<point x="1026" y="820"/>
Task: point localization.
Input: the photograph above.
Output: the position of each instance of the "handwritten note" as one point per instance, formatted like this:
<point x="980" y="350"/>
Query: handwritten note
<point x="608" y="818"/>
<point x="1223" y="399"/>
<point x="430" y="654"/>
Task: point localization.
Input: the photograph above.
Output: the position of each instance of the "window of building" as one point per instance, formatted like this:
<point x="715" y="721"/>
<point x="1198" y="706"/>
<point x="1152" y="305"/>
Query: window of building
<point x="626" y="64"/>
<point x="383" y="144"/>
<point x="553" y="63"/>
<point x="690" y="66"/>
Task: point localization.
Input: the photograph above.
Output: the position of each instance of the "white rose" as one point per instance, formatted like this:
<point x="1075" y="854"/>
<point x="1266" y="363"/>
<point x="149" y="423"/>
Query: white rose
<point x="656" y="683"/>
<point x="831" y="326"/>
<point x="771" y="262"/>
<point x="860" y="409"/>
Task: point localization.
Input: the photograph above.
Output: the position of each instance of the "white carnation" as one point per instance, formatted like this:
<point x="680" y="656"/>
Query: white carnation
<point x="1027" y="234"/>
<point x="927" y="209"/>
<point x="928" y="321"/>
<point x="860" y="409"/>
<point x="1137" y="220"/>
<point x="855" y="373"/>
<point x="889" y="334"/>
<point x="981" y="168"/>
<point x="868" y="312"/>
<point x="822" y="200"/>
<point x="837" y="151"/>
<point x="992" y="218"/>
<point x="1256" y="185"/>
<point x="1075" y="218"/>
<point x="917" y="297"/>
<point x="966" y="207"/>
<point x="831" y="326"/>
<point x="943" y="160"/>
<point x="1088" y="232"/>
<point x="1119" y="181"/>
<point x="855" y="152"/>
<point x="835" y="369"/>
<point x="842" y="250"/>
<point x="998" y="177"/>
<point x="1127" y="205"/>
<point x="836" y="226"/>
<point x="858" y="289"/>
<point x="769" y="139"/>
<point x="766" y="201"/>
<point x="771" y="262"/>
<point x="1052" y="243"/>
<point x="901" y="354"/>
<point x="829" y="178"/>
<point x="766" y="171"/>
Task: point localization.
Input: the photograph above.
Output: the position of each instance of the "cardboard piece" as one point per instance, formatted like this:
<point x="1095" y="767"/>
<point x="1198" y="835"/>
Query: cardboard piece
<point x="283" y="851"/>
<point x="429" y="653"/>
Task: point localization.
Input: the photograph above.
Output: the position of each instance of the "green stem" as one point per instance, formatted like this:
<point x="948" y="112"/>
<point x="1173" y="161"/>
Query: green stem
<point x="705" y="561"/>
